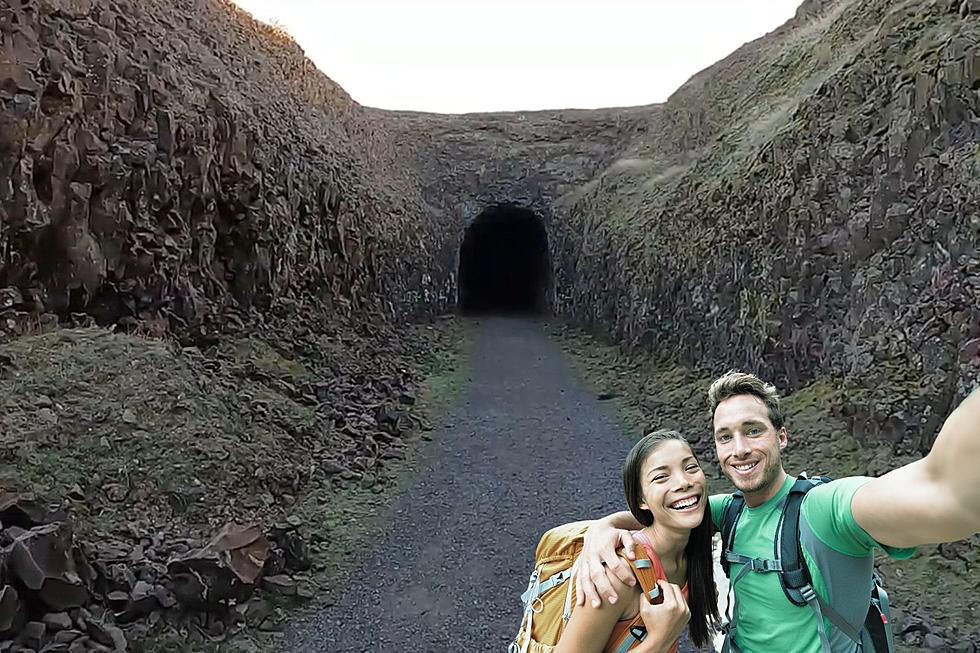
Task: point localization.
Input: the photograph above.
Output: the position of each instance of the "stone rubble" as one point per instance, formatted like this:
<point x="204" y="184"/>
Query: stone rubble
<point x="61" y="594"/>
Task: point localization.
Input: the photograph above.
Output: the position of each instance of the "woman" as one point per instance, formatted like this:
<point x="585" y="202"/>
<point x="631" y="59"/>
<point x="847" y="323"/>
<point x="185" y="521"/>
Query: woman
<point x="667" y="492"/>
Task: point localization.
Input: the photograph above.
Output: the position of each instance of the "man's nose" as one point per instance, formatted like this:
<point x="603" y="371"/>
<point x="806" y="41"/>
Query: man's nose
<point x="741" y="445"/>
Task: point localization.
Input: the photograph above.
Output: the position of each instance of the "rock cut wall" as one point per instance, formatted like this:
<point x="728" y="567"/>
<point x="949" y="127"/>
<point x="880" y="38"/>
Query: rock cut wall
<point x="806" y="207"/>
<point x="166" y="162"/>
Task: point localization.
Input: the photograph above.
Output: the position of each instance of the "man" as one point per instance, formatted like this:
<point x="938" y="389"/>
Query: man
<point x="935" y="499"/>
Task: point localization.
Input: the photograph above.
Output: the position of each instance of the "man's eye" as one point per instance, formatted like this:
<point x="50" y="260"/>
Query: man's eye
<point x="755" y="430"/>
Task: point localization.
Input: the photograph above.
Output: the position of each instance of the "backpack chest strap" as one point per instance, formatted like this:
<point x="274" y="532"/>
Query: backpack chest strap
<point x="761" y="565"/>
<point x="820" y="607"/>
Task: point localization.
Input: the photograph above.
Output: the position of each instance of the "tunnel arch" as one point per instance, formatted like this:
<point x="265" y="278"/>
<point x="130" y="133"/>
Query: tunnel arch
<point x="504" y="263"/>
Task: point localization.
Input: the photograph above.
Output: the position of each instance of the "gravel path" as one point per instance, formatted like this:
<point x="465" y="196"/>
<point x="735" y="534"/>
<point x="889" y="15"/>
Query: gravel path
<point x="503" y="467"/>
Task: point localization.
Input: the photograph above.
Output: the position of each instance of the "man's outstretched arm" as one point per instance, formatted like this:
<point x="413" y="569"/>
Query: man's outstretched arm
<point x="936" y="499"/>
<point x="599" y="555"/>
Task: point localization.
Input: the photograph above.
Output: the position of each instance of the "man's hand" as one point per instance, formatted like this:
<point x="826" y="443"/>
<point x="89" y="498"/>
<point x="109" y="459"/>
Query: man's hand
<point x="598" y="558"/>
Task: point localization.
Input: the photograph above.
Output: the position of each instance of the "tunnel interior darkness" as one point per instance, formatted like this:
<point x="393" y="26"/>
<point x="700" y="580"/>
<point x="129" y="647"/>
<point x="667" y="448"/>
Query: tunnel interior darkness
<point x="504" y="265"/>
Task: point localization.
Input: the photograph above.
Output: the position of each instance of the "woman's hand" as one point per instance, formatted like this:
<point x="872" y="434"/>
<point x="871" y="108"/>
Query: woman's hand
<point x="598" y="558"/>
<point x="664" y="621"/>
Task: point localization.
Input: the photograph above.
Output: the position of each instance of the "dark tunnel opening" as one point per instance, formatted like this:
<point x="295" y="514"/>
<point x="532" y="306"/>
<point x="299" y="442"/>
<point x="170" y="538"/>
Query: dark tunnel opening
<point x="504" y="265"/>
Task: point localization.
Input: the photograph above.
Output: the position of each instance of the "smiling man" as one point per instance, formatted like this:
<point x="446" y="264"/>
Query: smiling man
<point x="827" y="599"/>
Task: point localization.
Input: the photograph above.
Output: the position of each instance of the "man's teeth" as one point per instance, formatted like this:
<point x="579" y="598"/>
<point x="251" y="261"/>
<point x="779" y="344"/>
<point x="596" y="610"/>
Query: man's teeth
<point x="744" y="468"/>
<point x="685" y="503"/>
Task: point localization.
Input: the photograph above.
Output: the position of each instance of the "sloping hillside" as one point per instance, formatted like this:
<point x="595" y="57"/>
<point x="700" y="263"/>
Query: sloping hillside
<point x="806" y="207"/>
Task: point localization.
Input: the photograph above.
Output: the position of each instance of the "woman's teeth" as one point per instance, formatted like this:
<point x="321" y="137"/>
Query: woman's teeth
<point x="685" y="504"/>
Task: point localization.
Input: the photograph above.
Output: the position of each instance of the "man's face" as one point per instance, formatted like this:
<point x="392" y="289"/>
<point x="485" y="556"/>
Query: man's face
<point x="747" y="444"/>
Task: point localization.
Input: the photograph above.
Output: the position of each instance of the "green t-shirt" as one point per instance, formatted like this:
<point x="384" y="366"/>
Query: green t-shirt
<point x="767" y="620"/>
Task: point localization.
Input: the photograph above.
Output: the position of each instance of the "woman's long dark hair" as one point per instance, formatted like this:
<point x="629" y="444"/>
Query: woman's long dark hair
<point x="700" y="569"/>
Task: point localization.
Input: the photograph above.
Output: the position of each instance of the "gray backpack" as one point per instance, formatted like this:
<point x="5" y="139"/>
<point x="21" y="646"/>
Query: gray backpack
<point x="874" y="636"/>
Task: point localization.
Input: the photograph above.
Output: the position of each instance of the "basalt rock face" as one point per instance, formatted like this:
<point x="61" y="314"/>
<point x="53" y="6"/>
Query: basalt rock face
<point x="806" y="207"/>
<point x="162" y="162"/>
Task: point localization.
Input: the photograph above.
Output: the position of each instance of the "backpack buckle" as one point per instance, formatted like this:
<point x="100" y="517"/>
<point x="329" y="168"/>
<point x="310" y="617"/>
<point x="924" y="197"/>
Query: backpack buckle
<point x="808" y="593"/>
<point x="760" y="564"/>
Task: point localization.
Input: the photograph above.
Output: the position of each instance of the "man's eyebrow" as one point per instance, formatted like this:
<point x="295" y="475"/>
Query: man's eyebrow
<point x="751" y="421"/>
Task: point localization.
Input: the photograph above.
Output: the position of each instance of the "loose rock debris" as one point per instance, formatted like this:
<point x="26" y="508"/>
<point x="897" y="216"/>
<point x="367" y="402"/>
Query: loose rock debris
<point x="186" y="481"/>
<point x="61" y="594"/>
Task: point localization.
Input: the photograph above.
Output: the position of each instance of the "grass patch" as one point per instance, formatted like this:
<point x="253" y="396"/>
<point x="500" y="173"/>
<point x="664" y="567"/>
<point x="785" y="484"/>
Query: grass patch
<point x="133" y="423"/>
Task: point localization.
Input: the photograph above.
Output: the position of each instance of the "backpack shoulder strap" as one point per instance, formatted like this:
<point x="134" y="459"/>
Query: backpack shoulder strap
<point x="729" y="519"/>
<point x="647" y="571"/>
<point x="794" y="575"/>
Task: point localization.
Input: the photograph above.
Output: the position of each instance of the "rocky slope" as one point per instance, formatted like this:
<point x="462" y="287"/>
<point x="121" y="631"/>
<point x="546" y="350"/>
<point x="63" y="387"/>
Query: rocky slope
<point x="180" y="172"/>
<point x="806" y="207"/>
<point x="163" y="161"/>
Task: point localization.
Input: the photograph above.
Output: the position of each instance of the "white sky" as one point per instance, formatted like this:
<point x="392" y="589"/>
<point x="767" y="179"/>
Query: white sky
<point x="453" y="56"/>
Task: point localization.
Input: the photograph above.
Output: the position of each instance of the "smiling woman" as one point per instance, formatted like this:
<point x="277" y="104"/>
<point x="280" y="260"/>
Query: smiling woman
<point x="672" y="575"/>
<point x="484" y="55"/>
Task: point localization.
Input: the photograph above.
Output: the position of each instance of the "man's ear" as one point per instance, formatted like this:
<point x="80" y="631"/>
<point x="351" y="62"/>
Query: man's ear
<point x="783" y="437"/>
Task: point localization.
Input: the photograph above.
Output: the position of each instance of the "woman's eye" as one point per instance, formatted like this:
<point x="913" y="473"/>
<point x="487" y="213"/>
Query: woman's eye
<point x="693" y="468"/>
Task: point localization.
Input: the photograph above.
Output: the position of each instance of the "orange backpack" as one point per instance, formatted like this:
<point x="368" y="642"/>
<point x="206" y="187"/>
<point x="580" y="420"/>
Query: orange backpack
<point x="550" y="592"/>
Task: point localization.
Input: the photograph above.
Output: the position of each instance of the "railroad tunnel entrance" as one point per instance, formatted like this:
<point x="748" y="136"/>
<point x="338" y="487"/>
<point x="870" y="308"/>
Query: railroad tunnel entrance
<point x="504" y="266"/>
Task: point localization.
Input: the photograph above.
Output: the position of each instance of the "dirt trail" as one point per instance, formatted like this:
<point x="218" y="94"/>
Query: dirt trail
<point x="504" y="466"/>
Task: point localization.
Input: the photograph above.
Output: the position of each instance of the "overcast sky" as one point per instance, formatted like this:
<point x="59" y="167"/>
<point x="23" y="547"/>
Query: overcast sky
<point x="453" y="56"/>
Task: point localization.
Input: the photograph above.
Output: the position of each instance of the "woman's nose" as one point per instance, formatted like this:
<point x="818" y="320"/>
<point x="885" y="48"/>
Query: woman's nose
<point x="683" y="482"/>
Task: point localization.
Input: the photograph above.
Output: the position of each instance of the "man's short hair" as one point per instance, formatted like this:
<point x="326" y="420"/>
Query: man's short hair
<point x="734" y="383"/>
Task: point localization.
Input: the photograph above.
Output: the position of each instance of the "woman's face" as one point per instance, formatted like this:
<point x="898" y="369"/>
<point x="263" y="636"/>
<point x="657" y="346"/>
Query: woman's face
<point x="673" y="486"/>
